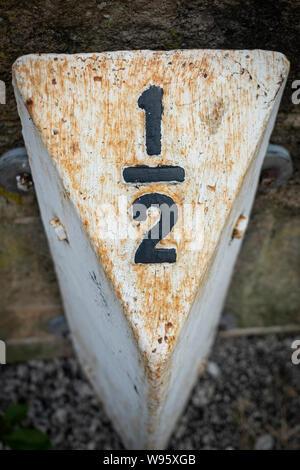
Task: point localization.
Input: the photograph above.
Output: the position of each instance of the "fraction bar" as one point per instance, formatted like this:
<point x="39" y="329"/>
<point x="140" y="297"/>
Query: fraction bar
<point x="147" y="174"/>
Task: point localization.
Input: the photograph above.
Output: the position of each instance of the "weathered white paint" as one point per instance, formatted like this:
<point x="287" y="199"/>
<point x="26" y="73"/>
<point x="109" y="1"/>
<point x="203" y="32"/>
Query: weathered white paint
<point x="141" y="331"/>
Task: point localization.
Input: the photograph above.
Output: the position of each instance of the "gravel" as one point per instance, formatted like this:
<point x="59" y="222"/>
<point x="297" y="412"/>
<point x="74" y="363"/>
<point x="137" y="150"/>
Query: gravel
<point x="248" y="398"/>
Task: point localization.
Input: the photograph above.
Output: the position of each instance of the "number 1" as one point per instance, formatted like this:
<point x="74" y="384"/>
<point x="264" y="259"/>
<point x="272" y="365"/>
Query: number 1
<point x="151" y="101"/>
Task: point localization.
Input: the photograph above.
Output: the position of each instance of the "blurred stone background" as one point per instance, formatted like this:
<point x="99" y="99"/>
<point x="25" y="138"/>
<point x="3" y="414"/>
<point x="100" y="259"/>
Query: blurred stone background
<point x="265" y="290"/>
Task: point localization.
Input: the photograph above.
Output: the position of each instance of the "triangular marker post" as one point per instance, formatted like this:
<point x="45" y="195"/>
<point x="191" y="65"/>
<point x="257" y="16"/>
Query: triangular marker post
<point x="145" y="165"/>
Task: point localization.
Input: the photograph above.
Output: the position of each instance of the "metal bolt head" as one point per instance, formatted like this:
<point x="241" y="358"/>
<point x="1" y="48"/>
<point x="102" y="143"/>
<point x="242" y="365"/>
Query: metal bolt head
<point x="15" y="173"/>
<point x="24" y="182"/>
<point x="277" y="168"/>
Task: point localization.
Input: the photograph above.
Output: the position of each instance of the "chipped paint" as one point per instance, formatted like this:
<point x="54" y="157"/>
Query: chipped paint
<point x="240" y="227"/>
<point x="59" y="229"/>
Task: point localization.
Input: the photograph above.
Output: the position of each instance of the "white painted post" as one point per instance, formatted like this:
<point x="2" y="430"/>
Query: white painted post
<point x="109" y="135"/>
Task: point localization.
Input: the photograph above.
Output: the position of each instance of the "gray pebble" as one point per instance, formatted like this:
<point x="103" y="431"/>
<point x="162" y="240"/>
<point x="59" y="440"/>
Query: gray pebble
<point x="101" y="5"/>
<point x="213" y="369"/>
<point x="265" y="442"/>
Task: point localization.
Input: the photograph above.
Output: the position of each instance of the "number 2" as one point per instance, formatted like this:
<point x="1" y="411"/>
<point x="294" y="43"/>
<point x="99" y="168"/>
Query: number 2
<point x="146" y="252"/>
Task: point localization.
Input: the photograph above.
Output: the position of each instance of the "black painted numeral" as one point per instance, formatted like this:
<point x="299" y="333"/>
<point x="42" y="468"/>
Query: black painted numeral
<point x="157" y="174"/>
<point x="151" y="101"/>
<point x="146" y="252"/>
